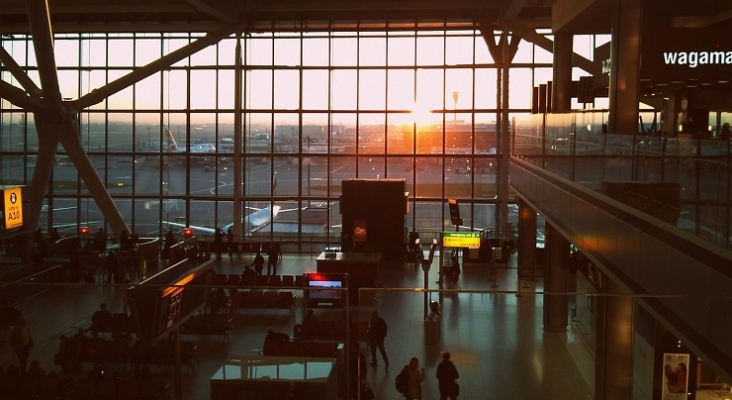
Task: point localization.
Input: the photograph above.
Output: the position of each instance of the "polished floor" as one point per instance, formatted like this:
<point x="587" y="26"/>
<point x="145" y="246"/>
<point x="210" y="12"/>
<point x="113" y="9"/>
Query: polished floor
<point x="493" y="329"/>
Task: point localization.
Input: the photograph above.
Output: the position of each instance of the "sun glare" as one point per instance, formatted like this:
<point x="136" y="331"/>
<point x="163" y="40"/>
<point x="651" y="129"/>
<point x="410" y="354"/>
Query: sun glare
<point x="422" y="116"/>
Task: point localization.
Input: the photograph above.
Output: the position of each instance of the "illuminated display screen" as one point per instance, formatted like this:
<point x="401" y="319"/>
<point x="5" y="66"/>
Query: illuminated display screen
<point x="325" y="294"/>
<point x="324" y="290"/>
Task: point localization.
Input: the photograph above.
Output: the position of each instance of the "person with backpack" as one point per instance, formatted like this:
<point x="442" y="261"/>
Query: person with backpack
<point x="446" y="375"/>
<point x="376" y="334"/>
<point x="414" y="383"/>
<point x="401" y="382"/>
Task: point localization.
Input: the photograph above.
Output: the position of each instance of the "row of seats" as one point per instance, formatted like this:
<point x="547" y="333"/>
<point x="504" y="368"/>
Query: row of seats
<point x="200" y="324"/>
<point x="266" y="300"/>
<point x="207" y="324"/>
<point x="299" y="348"/>
<point x="292" y="281"/>
<point x="49" y="387"/>
<point x="102" y="352"/>
<point x="113" y="389"/>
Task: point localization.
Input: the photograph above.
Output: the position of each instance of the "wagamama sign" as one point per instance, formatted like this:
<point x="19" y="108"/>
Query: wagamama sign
<point x="693" y="59"/>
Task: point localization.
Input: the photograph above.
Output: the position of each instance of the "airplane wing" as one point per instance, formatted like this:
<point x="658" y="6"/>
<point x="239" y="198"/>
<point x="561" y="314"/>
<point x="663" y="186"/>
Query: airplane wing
<point x="44" y="208"/>
<point x="292" y="209"/>
<point x="196" y="229"/>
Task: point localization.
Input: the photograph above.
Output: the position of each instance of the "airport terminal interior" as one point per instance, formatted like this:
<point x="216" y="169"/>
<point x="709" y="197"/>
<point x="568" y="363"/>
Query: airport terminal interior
<point x="539" y="190"/>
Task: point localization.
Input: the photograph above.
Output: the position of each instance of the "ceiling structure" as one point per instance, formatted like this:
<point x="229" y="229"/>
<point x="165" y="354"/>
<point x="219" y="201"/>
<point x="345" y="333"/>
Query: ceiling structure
<point x="520" y="17"/>
<point x="268" y="15"/>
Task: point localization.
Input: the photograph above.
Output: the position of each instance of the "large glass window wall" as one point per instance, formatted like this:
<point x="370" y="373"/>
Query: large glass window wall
<point x="318" y="108"/>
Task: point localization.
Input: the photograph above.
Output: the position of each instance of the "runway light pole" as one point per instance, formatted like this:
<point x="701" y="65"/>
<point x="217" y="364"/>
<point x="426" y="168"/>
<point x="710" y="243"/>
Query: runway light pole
<point x="307" y="140"/>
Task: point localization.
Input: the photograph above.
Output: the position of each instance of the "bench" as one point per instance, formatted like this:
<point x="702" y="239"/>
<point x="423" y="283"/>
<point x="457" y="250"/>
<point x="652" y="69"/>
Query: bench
<point x="271" y="300"/>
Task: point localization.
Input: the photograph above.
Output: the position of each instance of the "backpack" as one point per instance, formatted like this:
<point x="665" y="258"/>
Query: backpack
<point x="402" y="380"/>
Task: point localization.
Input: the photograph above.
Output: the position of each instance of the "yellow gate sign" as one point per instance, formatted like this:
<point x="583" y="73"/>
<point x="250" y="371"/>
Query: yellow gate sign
<point x="13" y="209"/>
<point x="470" y="240"/>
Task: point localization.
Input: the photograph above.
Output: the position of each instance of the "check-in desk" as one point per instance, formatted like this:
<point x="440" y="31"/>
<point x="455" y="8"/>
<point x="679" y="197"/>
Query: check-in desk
<point x="258" y="376"/>
<point x="362" y="269"/>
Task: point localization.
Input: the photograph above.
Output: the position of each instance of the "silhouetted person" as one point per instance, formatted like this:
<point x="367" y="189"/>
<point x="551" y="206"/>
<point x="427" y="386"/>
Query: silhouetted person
<point x="725" y="133"/>
<point x="101" y="320"/>
<point x="377" y="334"/>
<point x="273" y="256"/>
<point x="273" y="342"/>
<point x="111" y="262"/>
<point x="247" y="277"/>
<point x="446" y="375"/>
<point x="258" y="263"/>
<point x="124" y="241"/>
<point x="218" y="242"/>
<point x="55" y="236"/>
<point x="100" y="241"/>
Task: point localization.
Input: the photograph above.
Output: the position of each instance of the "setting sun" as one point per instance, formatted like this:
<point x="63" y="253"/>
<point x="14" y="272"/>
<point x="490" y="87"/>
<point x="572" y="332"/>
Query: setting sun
<point x="422" y="116"/>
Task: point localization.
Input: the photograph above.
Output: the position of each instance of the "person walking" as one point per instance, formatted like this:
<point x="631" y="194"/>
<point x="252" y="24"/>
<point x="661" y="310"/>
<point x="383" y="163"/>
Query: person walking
<point x="218" y="242"/>
<point x="446" y="375"/>
<point x="258" y="263"/>
<point x="416" y="377"/>
<point x="273" y="255"/>
<point x="230" y="242"/>
<point x="376" y="334"/>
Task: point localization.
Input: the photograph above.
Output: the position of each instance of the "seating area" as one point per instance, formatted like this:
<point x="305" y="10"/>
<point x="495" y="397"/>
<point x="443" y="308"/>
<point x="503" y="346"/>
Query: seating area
<point x="120" y="324"/>
<point x="103" y="352"/>
<point x="236" y="280"/>
<point x="163" y="353"/>
<point x="53" y="387"/>
<point x="257" y="299"/>
<point x="111" y="388"/>
<point x="203" y="324"/>
<point x="118" y="354"/>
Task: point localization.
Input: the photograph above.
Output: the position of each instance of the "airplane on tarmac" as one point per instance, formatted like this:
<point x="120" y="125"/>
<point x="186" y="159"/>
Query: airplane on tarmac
<point x="195" y="148"/>
<point x="252" y="222"/>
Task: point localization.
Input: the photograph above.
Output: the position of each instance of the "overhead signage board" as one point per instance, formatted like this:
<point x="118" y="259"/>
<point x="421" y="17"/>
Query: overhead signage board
<point x="669" y="54"/>
<point x="470" y="240"/>
<point x="12" y="208"/>
<point x="454" y="208"/>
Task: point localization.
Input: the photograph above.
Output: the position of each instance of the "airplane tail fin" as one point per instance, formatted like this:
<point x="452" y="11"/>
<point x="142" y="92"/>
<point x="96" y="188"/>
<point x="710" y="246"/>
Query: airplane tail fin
<point x="172" y="145"/>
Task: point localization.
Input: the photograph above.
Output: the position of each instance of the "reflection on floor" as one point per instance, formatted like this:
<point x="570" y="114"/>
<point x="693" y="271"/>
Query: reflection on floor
<point x="713" y="395"/>
<point x="495" y="334"/>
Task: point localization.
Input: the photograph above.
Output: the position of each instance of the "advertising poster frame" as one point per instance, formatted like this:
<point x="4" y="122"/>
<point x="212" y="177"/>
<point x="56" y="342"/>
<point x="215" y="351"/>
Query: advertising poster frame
<point x="675" y="384"/>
